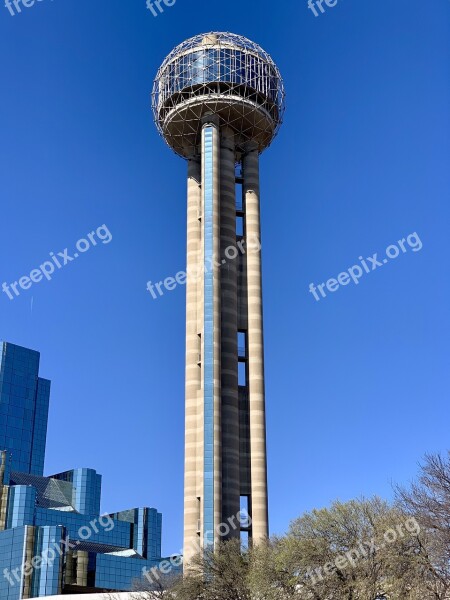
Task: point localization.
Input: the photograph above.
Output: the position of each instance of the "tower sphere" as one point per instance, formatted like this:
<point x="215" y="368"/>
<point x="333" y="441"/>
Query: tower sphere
<point x="220" y="74"/>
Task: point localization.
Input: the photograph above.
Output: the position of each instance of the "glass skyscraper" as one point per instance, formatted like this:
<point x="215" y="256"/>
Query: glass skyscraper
<point x="53" y="539"/>
<point x="24" y="398"/>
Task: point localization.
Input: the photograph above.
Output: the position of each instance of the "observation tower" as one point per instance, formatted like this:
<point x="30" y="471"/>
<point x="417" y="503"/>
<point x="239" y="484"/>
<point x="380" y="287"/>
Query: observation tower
<point x="218" y="101"/>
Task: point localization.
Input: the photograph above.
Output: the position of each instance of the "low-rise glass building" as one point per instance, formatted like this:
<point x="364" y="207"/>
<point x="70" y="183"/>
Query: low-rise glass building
<point x="53" y="539"/>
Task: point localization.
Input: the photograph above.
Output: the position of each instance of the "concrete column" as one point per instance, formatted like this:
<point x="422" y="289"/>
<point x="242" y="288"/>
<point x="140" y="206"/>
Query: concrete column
<point x="82" y="568"/>
<point x="3" y="459"/>
<point x="229" y="327"/>
<point x="70" y="576"/>
<point x="193" y="439"/>
<point x="259" y="502"/>
<point x="4" y="491"/>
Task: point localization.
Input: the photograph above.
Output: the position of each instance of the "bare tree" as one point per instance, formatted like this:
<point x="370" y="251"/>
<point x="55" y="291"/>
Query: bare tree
<point x="350" y="551"/>
<point x="217" y="575"/>
<point x="274" y="570"/>
<point x="428" y="500"/>
<point x="158" y="588"/>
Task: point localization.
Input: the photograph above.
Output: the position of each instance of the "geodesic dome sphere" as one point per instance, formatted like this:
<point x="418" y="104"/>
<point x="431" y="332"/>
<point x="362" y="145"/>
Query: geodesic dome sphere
<point x="220" y="74"/>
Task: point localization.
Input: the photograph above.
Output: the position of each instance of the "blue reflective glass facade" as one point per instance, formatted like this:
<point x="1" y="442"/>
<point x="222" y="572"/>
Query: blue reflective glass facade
<point x="48" y="545"/>
<point x="12" y="553"/>
<point x="40" y="426"/>
<point x="116" y="571"/>
<point x="21" y="506"/>
<point x="146" y="530"/>
<point x="119" y="547"/>
<point x="208" y="203"/>
<point x="83" y="527"/>
<point x="24" y="400"/>
<point x="87" y="485"/>
<point x="58" y="518"/>
<point x="153" y="533"/>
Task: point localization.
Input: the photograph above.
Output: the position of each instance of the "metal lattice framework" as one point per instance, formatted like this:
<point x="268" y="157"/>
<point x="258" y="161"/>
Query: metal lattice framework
<point x="221" y="74"/>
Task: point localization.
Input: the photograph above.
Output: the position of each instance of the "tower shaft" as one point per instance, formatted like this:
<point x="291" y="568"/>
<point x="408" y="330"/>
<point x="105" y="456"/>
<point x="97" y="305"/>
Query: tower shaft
<point x="225" y="454"/>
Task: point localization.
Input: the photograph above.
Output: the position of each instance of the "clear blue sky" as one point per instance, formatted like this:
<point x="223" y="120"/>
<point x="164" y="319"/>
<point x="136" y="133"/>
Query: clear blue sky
<point x="357" y="384"/>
